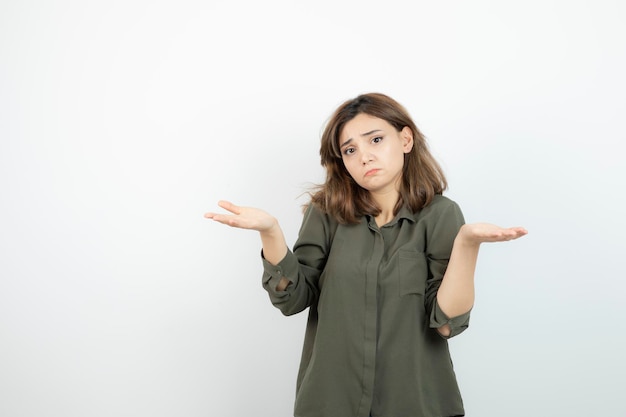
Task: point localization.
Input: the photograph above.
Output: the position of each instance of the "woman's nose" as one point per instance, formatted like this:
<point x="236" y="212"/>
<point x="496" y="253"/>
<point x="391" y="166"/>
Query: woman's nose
<point x="366" y="157"/>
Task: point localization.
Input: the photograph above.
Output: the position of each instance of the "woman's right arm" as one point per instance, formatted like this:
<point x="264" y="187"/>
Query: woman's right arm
<point x="272" y="238"/>
<point x="283" y="268"/>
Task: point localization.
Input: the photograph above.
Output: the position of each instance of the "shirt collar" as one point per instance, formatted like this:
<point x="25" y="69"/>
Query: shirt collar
<point x="404" y="213"/>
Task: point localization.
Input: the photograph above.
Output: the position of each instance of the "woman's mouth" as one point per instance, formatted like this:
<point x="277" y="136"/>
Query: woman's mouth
<point x="371" y="172"/>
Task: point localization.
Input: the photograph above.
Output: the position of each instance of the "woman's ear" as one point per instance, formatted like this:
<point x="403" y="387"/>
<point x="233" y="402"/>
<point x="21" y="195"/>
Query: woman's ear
<point x="406" y="134"/>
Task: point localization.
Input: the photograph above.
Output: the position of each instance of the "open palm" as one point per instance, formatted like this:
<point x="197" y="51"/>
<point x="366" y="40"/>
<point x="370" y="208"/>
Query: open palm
<point x="243" y="217"/>
<point x="486" y="232"/>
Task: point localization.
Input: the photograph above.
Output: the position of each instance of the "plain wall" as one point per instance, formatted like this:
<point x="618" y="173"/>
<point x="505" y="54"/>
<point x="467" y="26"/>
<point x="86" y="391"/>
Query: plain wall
<point x="122" y="122"/>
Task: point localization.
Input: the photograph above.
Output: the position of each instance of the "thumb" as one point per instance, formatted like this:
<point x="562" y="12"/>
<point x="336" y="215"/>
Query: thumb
<point x="227" y="205"/>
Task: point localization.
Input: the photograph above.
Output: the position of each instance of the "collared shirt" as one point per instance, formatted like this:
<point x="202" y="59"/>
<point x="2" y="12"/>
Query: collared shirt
<point x="371" y="343"/>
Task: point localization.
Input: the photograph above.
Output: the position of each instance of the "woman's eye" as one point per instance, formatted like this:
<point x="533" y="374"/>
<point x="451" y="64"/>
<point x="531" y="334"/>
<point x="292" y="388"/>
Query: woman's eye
<point x="348" y="151"/>
<point x="377" y="139"/>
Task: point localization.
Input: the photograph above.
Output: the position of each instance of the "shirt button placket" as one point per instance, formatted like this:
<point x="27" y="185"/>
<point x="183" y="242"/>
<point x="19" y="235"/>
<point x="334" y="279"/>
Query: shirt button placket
<point x="370" y="325"/>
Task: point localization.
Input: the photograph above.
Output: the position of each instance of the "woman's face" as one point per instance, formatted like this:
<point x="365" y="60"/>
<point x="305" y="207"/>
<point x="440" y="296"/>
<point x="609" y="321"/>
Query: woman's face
<point x="373" y="152"/>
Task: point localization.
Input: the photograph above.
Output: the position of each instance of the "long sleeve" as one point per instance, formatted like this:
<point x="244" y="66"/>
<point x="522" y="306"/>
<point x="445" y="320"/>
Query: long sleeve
<point x="440" y="240"/>
<point x="302" y="266"/>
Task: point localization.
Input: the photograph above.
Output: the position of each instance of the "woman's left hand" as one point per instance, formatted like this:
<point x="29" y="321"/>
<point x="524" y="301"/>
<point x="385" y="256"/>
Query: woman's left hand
<point x="477" y="233"/>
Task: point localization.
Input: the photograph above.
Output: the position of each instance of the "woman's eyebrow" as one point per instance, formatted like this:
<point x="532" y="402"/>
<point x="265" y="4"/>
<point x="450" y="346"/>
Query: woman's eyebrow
<point x="345" y="143"/>
<point x="370" y="132"/>
<point x="362" y="134"/>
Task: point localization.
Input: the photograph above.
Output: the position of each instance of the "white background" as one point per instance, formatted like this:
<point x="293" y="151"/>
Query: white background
<point x="122" y="122"/>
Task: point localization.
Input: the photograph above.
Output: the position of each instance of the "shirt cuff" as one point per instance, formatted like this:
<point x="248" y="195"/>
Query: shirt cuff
<point x="286" y="268"/>
<point x="457" y="324"/>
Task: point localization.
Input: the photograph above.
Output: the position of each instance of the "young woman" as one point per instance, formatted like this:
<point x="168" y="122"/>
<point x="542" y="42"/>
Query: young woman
<point x="384" y="263"/>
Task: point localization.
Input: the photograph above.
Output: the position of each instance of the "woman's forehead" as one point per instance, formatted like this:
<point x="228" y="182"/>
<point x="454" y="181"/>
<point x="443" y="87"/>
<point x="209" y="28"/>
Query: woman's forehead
<point x="363" y="125"/>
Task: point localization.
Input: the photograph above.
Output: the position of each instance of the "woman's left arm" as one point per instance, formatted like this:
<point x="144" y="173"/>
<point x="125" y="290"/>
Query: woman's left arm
<point x="456" y="293"/>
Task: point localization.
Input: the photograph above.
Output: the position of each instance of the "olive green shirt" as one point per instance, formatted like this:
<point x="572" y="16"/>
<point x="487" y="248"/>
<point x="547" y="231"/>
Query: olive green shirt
<point x="371" y="343"/>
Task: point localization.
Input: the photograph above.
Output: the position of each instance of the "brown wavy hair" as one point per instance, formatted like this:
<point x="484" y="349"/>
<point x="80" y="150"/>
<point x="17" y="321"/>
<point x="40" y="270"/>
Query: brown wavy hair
<point x="345" y="200"/>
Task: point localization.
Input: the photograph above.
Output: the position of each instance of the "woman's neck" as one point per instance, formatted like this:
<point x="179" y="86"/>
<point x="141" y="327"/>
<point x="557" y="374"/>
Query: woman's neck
<point x="387" y="203"/>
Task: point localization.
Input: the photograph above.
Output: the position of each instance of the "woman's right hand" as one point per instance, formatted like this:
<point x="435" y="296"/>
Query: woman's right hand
<point x="244" y="217"/>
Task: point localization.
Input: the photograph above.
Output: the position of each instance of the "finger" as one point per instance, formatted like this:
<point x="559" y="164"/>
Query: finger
<point x="516" y="232"/>
<point x="215" y="216"/>
<point x="226" y="219"/>
<point x="227" y="205"/>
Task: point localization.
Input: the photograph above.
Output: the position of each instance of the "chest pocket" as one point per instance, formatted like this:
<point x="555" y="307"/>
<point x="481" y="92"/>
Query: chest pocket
<point x="413" y="272"/>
